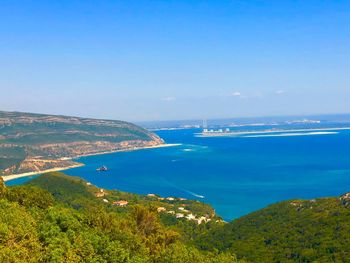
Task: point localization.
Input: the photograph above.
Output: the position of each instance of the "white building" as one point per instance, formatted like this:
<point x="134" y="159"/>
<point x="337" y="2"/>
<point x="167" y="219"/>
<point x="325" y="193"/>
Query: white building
<point x="179" y="215"/>
<point x="190" y="217"/>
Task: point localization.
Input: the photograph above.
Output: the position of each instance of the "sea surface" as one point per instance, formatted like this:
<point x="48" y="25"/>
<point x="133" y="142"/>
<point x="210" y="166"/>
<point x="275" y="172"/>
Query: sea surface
<point x="236" y="175"/>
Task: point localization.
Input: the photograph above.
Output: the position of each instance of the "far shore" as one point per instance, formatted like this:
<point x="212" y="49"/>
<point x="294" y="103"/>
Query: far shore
<point x="240" y="133"/>
<point x="16" y="176"/>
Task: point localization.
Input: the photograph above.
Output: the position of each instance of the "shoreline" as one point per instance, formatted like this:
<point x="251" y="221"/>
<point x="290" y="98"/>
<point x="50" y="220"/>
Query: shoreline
<point x="124" y="150"/>
<point x="16" y="176"/>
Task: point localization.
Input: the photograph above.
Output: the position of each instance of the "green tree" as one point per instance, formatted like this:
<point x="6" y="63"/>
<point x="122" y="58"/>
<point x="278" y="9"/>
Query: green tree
<point x="30" y="196"/>
<point x="3" y="189"/>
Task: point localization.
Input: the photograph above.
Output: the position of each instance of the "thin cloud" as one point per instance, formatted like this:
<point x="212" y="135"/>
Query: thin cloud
<point x="236" y="94"/>
<point x="279" y="92"/>
<point x="170" y="98"/>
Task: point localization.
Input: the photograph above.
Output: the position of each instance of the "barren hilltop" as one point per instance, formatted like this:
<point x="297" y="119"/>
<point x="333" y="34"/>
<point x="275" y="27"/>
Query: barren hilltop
<point x="36" y="142"/>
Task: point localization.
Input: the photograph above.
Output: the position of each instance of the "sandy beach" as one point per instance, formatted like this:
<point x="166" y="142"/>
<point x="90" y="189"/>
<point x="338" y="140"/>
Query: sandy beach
<point x="15" y="176"/>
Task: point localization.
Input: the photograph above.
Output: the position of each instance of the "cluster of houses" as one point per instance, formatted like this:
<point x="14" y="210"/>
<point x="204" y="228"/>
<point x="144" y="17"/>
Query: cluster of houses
<point x="102" y="193"/>
<point x="180" y="212"/>
<point x="184" y="213"/>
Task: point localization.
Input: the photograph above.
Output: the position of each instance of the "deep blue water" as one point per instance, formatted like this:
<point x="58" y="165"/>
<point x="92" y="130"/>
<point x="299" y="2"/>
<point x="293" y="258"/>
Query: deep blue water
<point x="236" y="175"/>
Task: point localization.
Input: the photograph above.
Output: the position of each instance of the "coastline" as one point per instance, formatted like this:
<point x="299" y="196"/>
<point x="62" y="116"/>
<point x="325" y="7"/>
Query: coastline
<point x="124" y="150"/>
<point x="16" y="176"/>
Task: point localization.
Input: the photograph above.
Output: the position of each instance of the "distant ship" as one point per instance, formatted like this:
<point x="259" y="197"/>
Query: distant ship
<point x="102" y="169"/>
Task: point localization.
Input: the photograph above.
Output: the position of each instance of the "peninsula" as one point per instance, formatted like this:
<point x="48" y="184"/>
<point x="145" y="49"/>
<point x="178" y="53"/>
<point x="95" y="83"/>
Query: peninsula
<point x="34" y="143"/>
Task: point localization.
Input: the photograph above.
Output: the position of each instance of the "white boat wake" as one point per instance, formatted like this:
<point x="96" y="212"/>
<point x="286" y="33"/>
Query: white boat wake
<point x="196" y="195"/>
<point x="185" y="190"/>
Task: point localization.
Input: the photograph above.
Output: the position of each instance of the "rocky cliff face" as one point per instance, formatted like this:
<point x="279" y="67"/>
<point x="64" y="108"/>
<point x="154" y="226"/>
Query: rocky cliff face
<point x="32" y="142"/>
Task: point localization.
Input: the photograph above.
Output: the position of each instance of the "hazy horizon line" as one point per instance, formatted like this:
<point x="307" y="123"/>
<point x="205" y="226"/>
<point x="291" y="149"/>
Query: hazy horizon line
<point x="188" y="119"/>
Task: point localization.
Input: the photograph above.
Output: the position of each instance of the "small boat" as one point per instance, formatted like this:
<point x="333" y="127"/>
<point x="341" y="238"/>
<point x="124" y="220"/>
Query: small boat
<point x="102" y="169"/>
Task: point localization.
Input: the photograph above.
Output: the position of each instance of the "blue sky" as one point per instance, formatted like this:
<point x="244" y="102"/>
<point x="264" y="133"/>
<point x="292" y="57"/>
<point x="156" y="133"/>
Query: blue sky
<point x="163" y="60"/>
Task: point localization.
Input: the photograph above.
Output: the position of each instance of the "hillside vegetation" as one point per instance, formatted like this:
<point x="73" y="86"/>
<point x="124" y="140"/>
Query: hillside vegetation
<point x="35" y="142"/>
<point x="292" y="231"/>
<point x="57" y="218"/>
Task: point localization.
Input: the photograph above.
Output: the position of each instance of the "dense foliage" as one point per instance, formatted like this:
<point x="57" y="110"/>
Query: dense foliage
<point x="63" y="221"/>
<point x="58" y="218"/>
<point x="292" y="231"/>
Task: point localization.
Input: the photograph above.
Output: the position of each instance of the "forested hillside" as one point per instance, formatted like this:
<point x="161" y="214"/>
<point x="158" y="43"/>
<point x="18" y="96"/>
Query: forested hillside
<point x="292" y="231"/>
<point x="57" y="218"/>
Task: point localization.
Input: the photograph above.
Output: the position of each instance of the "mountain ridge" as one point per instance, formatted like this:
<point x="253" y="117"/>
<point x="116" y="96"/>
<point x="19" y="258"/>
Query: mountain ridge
<point x="33" y="142"/>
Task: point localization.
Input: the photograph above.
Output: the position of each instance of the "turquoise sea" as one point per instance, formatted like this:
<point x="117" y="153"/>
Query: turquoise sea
<point x="236" y="175"/>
